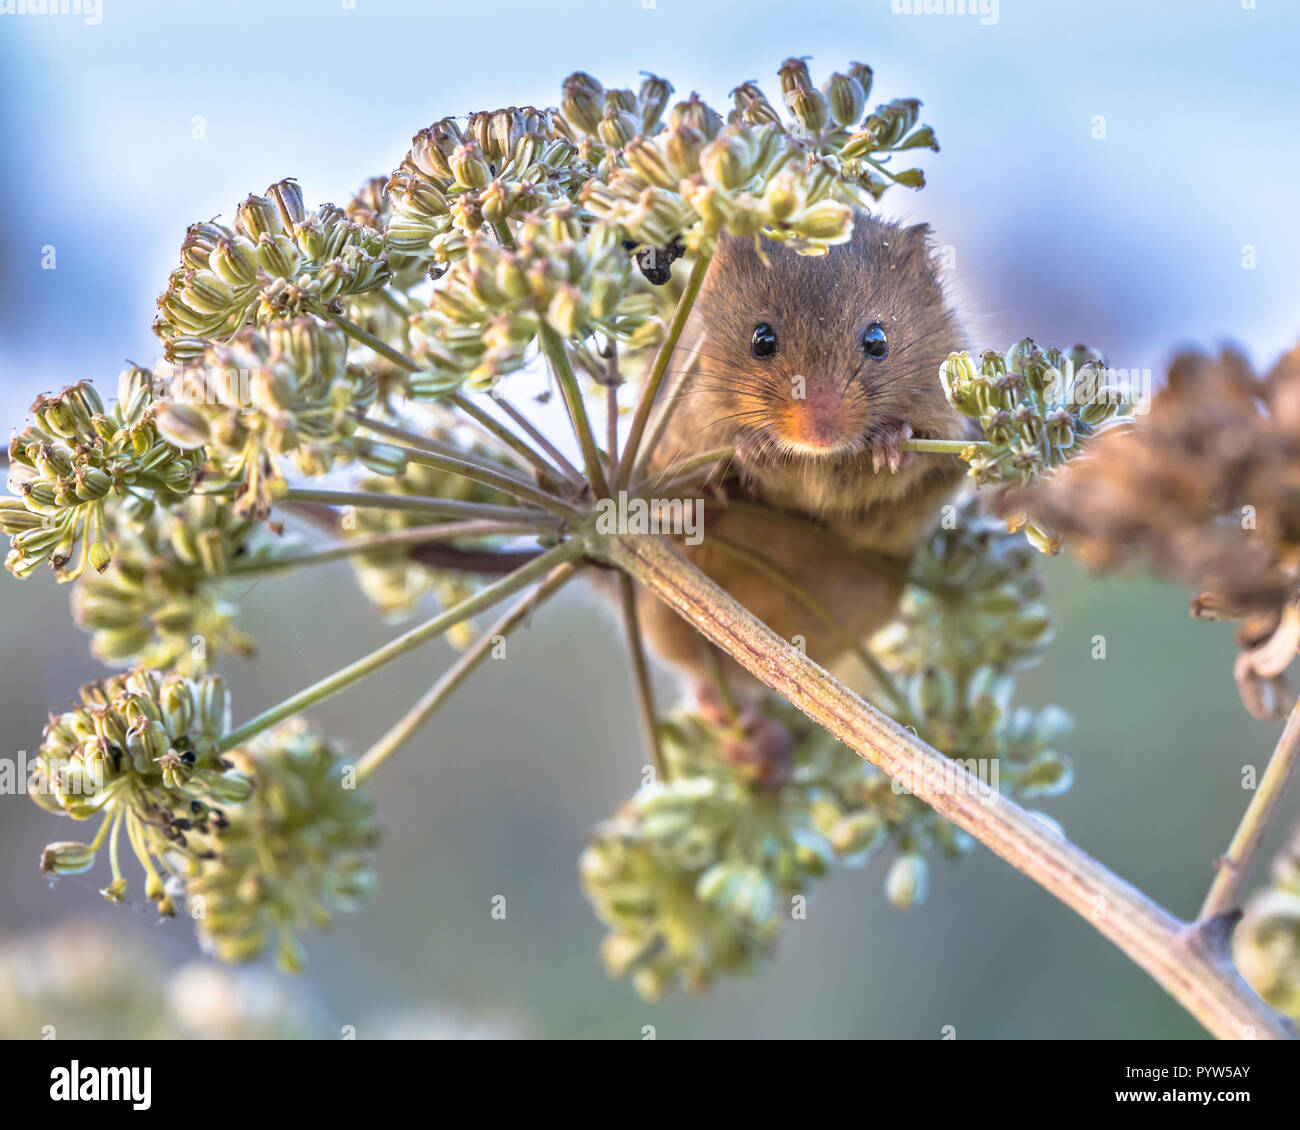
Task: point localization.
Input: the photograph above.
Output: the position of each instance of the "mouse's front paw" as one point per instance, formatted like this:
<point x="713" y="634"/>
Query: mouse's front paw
<point x="886" y="449"/>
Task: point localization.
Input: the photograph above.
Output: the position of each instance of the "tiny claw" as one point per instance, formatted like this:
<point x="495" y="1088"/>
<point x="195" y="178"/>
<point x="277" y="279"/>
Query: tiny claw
<point x="886" y="451"/>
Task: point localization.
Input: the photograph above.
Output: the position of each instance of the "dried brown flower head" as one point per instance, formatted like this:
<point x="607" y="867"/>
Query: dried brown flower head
<point x="1205" y="489"/>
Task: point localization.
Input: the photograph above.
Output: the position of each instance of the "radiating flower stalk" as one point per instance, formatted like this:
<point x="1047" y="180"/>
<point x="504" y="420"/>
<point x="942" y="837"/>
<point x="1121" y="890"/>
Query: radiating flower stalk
<point x="391" y="578"/>
<point x="323" y="367"/>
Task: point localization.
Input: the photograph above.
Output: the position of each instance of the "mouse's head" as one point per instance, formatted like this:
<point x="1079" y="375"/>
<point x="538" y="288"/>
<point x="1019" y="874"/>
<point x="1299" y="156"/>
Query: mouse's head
<point x="815" y="359"/>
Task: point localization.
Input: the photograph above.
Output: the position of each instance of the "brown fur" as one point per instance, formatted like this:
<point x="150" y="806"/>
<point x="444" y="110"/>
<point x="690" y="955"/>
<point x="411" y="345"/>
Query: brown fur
<point x="806" y="464"/>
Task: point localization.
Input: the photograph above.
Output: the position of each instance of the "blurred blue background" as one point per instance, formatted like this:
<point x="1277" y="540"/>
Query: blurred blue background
<point x="1117" y="173"/>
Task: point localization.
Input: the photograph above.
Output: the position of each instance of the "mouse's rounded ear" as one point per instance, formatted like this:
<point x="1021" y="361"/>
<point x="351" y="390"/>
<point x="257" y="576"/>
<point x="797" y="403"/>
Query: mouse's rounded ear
<point x="919" y="237"/>
<point x="920" y="241"/>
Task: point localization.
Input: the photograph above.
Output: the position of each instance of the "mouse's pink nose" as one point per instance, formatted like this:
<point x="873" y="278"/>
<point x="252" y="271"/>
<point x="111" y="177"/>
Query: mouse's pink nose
<point x="820" y="421"/>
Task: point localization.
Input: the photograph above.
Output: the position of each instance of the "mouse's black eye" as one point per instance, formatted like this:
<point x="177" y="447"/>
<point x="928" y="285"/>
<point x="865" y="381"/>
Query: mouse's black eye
<point x="763" y="344"/>
<point x="875" y="344"/>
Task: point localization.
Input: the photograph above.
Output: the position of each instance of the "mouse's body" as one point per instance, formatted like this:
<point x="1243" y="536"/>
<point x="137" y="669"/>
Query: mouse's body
<point x="813" y="369"/>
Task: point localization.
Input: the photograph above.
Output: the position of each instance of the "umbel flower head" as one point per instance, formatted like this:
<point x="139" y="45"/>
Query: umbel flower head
<point x="695" y="874"/>
<point x="284" y="391"/>
<point x="1037" y="409"/>
<point x="159" y="604"/>
<point x="278" y="260"/>
<point x="1205" y="489"/>
<point x="757" y="172"/>
<point x="453" y="181"/>
<point x="395" y="579"/>
<point x="72" y="461"/>
<point x="494" y="300"/>
<point x="532" y="218"/>
<point x="1266" y="943"/>
<point x="139" y="752"/>
<point x="299" y="851"/>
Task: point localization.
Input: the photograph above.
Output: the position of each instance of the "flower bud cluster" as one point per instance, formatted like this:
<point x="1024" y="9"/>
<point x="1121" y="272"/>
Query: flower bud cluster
<point x="501" y="166"/>
<point x="754" y="173"/>
<point x="139" y="750"/>
<point x="695" y="874"/>
<point x="495" y="300"/>
<point x="1036" y="407"/>
<point x="71" y="461"/>
<point x="159" y="604"/>
<point x="287" y="390"/>
<point x="278" y="260"/>
<point x="296" y="853"/>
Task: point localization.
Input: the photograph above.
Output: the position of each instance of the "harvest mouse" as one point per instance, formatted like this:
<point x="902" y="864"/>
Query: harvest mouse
<point x="815" y="370"/>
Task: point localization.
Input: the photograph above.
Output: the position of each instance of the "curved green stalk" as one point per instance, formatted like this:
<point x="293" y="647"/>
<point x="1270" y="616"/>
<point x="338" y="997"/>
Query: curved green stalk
<point x="436" y="507"/>
<point x="483" y="599"/>
<point x="416" y="535"/>
<point x="424" y="709"/>
<point x="655" y="378"/>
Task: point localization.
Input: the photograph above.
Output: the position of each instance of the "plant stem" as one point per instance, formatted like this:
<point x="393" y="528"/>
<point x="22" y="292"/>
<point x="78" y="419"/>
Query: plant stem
<point x="365" y="337"/>
<point x="612" y="381"/>
<point x="940" y="446"/>
<point x="437" y="507"/>
<point x="332" y="684"/>
<point x="653" y="379"/>
<point x="416" y="535"/>
<point x="428" y="443"/>
<point x="397" y="305"/>
<point x="670" y="478"/>
<point x="1179" y="957"/>
<point x="496" y="428"/>
<point x="569" y="471"/>
<point x="667" y="406"/>
<point x="553" y="347"/>
<point x="407" y="726"/>
<point x="487" y="476"/>
<point x="1235" y="863"/>
<point x="645" y="697"/>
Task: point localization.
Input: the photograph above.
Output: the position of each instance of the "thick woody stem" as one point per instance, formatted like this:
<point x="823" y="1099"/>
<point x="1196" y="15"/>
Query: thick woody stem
<point x="1183" y="960"/>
